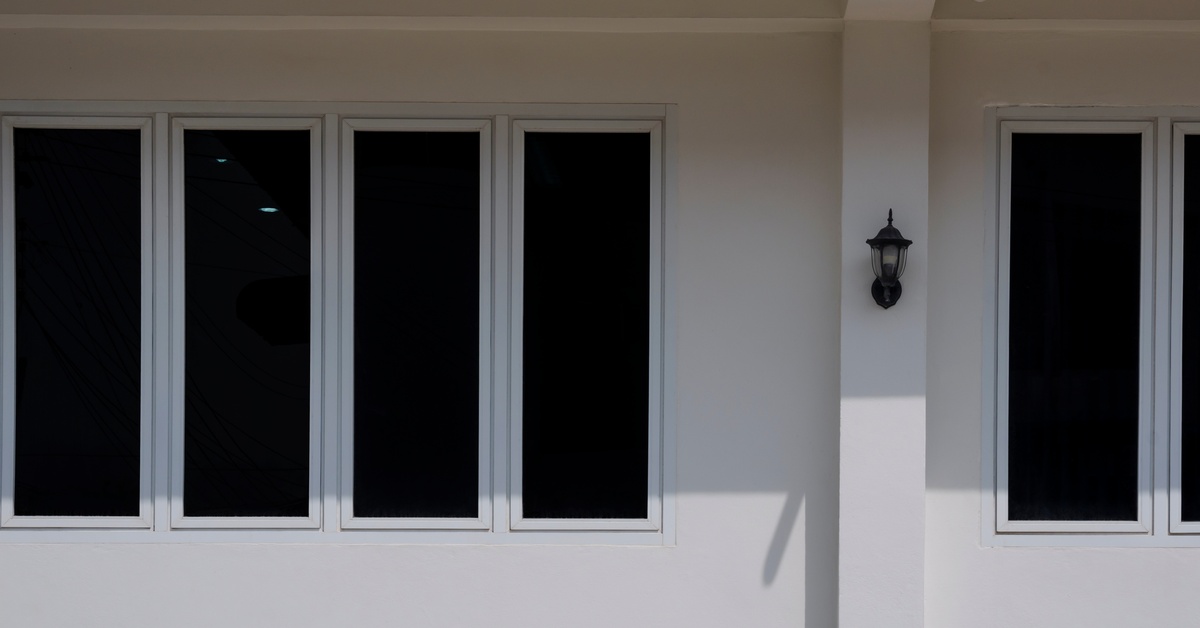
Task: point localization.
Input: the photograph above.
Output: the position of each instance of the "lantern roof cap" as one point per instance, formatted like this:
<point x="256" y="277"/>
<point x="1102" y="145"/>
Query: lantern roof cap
<point x="889" y="235"/>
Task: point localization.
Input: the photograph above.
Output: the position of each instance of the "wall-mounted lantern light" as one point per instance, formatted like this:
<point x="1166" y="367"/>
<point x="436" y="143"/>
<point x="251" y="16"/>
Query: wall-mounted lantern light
<point x="889" y="251"/>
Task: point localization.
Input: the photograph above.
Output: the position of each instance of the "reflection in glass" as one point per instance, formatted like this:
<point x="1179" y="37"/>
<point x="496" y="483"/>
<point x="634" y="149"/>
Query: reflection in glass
<point x="78" y="321"/>
<point x="586" y="325"/>
<point x="1073" y="327"/>
<point x="246" y="436"/>
<point x="416" y="324"/>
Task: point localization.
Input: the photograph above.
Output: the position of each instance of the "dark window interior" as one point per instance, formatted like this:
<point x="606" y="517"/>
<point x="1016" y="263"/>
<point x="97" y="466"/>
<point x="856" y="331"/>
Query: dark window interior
<point x="1190" y="458"/>
<point x="1073" y="327"/>
<point x="247" y="277"/>
<point x="78" y="321"/>
<point x="586" y="325"/>
<point x="246" y="445"/>
<point x="416" y="324"/>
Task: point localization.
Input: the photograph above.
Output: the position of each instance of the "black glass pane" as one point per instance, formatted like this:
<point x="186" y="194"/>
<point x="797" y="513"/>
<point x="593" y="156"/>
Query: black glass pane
<point x="1190" y="406"/>
<point x="416" y="324"/>
<point x="586" y="325"/>
<point x="78" y="321"/>
<point x="247" y="327"/>
<point x="1073" y="327"/>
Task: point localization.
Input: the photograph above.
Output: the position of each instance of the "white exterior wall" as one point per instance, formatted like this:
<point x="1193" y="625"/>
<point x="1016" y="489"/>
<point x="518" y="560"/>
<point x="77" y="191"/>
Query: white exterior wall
<point x="967" y="584"/>
<point x="756" y="294"/>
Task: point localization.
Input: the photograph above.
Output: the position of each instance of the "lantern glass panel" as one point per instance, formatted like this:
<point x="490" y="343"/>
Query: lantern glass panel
<point x="889" y="259"/>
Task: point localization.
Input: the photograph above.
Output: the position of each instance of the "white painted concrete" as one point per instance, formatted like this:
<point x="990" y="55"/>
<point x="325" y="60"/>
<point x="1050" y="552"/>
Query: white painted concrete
<point x="757" y="328"/>
<point x="966" y="584"/>
<point x="885" y="141"/>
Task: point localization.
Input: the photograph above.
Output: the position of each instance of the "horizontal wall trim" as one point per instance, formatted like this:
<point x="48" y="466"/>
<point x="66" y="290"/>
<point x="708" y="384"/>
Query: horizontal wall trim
<point x="554" y="24"/>
<point x="608" y="539"/>
<point x="384" y="110"/>
<point x="1155" y="26"/>
<point x="406" y="23"/>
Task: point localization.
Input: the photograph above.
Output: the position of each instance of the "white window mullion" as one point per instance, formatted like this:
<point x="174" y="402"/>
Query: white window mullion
<point x="486" y="309"/>
<point x="331" y="339"/>
<point x="502" y="277"/>
<point x="176" y="388"/>
<point x="1159" y="449"/>
<point x="161" y="298"/>
<point x="148" y="375"/>
<point x="516" y="335"/>
<point x="316" y="327"/>
<point x="345" y="371"/>
<point x="1147" y="337"/>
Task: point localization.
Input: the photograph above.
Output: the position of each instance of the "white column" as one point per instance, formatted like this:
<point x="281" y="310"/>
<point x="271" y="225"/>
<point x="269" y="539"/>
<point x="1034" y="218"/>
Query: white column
<point x="885" y="164"/>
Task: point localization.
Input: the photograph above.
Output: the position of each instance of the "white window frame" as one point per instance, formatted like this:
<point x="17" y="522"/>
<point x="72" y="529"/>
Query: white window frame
<point x="483" y="520"/>
<point x="163" y="314"/>
<point x="179" y="310"/>
<point x="8" y="517"/>
<point x="1145" y="332"/>
<point x="653" y="520"/>
<point x="1178" y="525"/>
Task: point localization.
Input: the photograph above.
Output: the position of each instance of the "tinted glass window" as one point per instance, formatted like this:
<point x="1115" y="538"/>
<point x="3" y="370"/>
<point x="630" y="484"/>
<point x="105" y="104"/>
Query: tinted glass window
<point x="586" y="325"/>
<point x="1073" y="326"/>
<point x="1190" y="407"/>
<point x="78" y="321"/>
<point x="416" y="324"/>
<point x="247" y="323"/>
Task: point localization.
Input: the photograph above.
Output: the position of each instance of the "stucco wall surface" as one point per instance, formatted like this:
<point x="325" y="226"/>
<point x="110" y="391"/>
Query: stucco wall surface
<point x="756" y="330"/>
<point x="967" y="584"/>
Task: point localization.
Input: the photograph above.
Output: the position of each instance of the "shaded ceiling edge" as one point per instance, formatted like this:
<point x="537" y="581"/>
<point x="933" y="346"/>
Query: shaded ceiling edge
<point x="1069" y="25"/>
<point x="401" y="23"/>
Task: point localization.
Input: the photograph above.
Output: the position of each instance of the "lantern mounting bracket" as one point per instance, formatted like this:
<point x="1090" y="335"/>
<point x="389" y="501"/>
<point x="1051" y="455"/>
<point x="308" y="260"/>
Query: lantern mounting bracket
<point x="886" y="297"/>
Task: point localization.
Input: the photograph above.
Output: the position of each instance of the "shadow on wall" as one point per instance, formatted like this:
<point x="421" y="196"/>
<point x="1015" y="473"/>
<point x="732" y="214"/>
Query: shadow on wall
<point x="769" y="451"/>
<point x="779" y="541"/>
<point x="820" y="561"/>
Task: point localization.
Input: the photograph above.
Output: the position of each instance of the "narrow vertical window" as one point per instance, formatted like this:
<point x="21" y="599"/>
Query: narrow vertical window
<point x="416" y="242"/>
<point x="78" y="345"/>
<point x="1189" y="459"/>
<point x="1073" y="327"/>
<point x="586" y="336"/>
<point x="247" y="219"/>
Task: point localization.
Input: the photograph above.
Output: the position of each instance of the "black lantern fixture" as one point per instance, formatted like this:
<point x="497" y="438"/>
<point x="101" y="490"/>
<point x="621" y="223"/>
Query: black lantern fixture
<point x="889" y="251"/>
